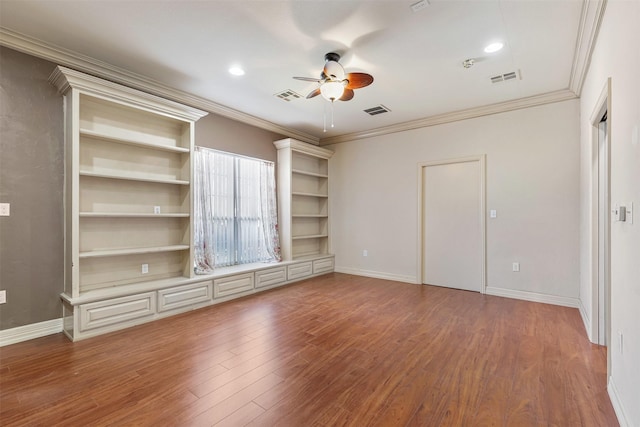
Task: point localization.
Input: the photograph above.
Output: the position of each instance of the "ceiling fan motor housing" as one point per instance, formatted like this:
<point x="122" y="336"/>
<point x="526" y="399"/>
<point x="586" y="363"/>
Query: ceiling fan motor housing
<point x="332" y="56"/>
<point x="334" y="83"/>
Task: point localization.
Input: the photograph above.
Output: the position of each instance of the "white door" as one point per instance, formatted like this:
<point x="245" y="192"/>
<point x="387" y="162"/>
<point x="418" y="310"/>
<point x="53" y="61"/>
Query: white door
<point x="452" y="233"/>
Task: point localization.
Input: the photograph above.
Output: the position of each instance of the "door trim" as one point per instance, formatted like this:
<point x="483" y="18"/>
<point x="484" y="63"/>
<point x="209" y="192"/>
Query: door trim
<point x="603" y="104"/>
<point x="481" y="159"/>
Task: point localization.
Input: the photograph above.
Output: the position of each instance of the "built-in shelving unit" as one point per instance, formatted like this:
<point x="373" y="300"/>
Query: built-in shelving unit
<point x="303" y="197"/>
<point x="129" y="219"/>
<point x="128" y="184"/>
<point x="128" y="187"/>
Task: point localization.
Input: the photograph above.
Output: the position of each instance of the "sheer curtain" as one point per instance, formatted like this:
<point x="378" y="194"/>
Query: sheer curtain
<point x="269" y="211"/>
<point x="213" y="210"/>
<point x="236" y="220"/>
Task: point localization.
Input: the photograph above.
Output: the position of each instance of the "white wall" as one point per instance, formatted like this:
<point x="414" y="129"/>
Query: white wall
<point x="532" y="181"/>
<point x="617" y="55"/>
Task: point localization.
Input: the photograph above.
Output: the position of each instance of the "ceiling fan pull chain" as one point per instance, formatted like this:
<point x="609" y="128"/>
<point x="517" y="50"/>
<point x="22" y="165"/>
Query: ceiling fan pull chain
<point x="332" y="113"/>
<point x="324" y="117"/>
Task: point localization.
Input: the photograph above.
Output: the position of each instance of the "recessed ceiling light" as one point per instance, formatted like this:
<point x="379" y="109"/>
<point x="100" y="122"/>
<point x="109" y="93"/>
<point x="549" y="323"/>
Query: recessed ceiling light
<point x="236" y="71"/>
<point x="493" y="47"/>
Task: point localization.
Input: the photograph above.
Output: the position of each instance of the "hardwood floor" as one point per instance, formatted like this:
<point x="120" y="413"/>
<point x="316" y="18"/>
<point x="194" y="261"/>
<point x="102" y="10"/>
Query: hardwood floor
<point x="336" y="350"/>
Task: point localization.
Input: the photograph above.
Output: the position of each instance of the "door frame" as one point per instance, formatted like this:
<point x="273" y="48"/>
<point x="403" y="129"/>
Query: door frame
<point x="603" y="104"/>
<point x="481" y="159"/>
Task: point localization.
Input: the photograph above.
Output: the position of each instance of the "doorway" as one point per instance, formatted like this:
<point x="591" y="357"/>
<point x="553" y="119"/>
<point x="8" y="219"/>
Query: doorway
<point x="601" y="222"/>
<point x="452" y="248"/>
<point x="604" y="228"/>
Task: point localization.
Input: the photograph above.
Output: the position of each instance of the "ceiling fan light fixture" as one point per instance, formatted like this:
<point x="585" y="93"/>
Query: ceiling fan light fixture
<point x="493" y="47"/>
<point x="332" y="90"/>
<point x="236" y="71"/>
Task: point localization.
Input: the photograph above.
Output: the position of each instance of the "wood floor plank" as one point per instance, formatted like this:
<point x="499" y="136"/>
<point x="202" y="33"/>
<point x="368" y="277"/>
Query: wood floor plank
<point x="235" y="402"/>
<point x="336" y="350"/>
<point x="242" y="416"/>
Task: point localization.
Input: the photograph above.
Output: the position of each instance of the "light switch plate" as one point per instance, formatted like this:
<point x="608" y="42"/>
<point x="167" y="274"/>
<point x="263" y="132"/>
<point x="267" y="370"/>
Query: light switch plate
<point x="493" y="213"/>
<point x="5" y="209"/>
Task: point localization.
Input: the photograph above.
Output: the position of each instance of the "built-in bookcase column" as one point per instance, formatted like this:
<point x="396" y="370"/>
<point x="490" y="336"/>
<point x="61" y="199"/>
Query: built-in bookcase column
<point x="128" y="197"/>
<point x="303" y="198"/>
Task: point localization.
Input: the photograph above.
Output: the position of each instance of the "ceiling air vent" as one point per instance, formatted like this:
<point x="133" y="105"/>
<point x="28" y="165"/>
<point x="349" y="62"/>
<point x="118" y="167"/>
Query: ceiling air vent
<point x="288" y="95"/>
<point x="513" y="75"/>
<point x="377" y="110"/>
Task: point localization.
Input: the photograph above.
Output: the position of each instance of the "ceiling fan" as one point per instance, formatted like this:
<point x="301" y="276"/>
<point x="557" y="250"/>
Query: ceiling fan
<point x="335" y="84"/>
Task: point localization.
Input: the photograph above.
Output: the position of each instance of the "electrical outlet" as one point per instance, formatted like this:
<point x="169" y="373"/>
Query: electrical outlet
<point x="493" y="213"/>
<point x="5" y="209"/>
<point x="156" y="210"/>
<point x="516" y="266"/>
<point x="145" y="268"/>
<point x="365" y="253"/>
<point x="3" y="297"/>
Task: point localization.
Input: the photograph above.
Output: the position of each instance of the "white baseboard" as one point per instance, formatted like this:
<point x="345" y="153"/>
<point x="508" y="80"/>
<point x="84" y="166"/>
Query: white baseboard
<point x="376" y="274"/>
<point x="533" y="296"/>
<point x="617" y="405"/>
<point x="29" y="332"/>
<point x="508" y="293"/>
<point x="586" y="320"/>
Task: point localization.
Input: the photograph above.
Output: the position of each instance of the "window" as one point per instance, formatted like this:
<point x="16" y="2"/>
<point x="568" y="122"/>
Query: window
<point x="235" y="211"/>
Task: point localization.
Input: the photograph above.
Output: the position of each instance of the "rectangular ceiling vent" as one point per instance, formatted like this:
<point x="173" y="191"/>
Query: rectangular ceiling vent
<point x="513" y="75"/>
<point x="377" y="110"/>
<point x="288" y="95"/>
<point x="420" y="5"/>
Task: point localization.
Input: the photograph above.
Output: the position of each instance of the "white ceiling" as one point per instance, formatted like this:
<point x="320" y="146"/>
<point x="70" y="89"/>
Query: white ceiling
<point x="415" y="57"/>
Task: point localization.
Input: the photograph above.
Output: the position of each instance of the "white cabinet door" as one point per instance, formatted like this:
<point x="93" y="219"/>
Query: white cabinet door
<point x="119" y="310"/>
<point x="299" y="270"/>
<point x="232" y="285"/>
<point x="271" y="277"/>
<point x="182" y="296"/>
<point x="322" y="265"/>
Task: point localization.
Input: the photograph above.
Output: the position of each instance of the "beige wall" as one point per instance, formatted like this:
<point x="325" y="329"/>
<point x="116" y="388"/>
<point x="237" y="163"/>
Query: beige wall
<point x="617" y="55"/>
<point x="532" y="180"/>
<point x="228" y="135"/>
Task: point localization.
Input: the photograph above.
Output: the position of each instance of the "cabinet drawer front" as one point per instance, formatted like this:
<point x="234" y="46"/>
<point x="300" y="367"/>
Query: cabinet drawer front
<point x="232" y="285"/>
<point x="322" y="265"/>
<point x="297" y="271"/>
<point x="270" y="277"/>
<point x="169" y="299"/>
<point x="120" y="310"/>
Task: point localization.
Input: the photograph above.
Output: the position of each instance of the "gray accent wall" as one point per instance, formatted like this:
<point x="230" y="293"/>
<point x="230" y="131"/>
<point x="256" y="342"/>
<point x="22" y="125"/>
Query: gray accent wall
<point x="32" y="176"/>
<point x="31" y="179"/>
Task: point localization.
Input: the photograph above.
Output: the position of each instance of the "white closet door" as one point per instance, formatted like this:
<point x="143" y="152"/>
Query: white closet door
<point x="452" y="239"/>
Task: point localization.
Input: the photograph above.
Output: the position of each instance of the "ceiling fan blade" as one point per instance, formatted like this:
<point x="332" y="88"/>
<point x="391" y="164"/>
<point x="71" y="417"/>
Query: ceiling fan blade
<point x="346" y="95"/>
<point x="308" y="79"/>
<point x="333" y="70"/>
<point x="314" y="93"/>
<point x="358" y="80"/>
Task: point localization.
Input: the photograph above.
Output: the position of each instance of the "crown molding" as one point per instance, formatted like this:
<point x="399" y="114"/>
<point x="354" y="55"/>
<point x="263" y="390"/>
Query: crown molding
<point x="296" y="145"/>
<point x="590" y="21"/>
<point x="86" y="64"/>
<point x="502" y="107"/>
<point x="65" y="78"/>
